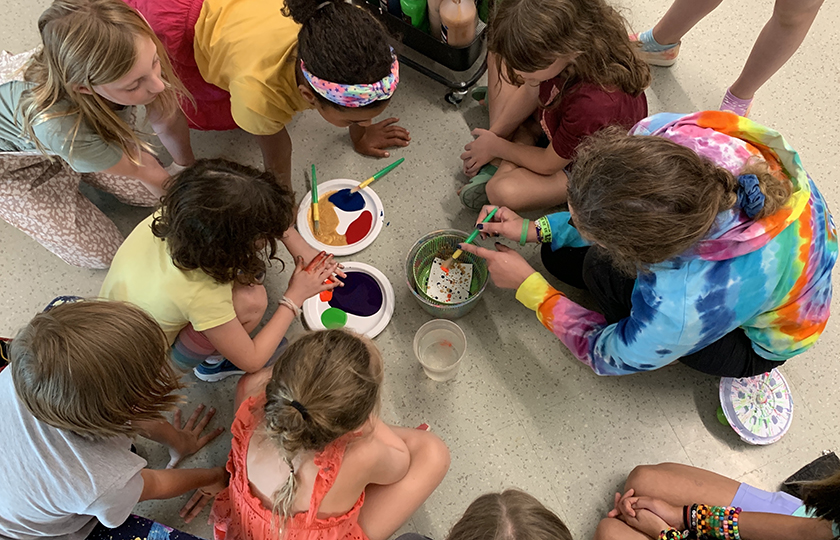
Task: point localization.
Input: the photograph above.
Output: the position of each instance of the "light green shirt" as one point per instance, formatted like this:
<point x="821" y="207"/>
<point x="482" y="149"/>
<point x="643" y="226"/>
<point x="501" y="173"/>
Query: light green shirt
<point x="802" y="511"/>
<point x="89" y="152"/>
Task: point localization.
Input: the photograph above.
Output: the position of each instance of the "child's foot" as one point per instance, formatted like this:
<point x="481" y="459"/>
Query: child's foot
<point x="474" y="194"/>
<point x="479" y="93"/>
<point x="216" y="372"/>
<point x="216" y="367"/>
<point x="652" y="52"/>
<point x="739" y="106"/>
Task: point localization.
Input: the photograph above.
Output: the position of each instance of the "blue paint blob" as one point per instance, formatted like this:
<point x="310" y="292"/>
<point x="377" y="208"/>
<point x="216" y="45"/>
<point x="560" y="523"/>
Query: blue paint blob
<point x="349" y="202"/>
<point x="360" y="296"/>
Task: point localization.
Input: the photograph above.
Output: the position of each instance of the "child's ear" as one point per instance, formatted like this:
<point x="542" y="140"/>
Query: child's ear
<point x="83" y="90"/>
<point x="307" y="94"/>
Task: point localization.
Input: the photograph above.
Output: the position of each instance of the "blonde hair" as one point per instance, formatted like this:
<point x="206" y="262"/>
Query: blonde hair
<point x="325" y="385"/>
<point x="88" y="43"/>
<point x="509" y="515"/>
<point x="94" y="368"/>
<point x="647" y="199"/>
<point x="530" y="35"/>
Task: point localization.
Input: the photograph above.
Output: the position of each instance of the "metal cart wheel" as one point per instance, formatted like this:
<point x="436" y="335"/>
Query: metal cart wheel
<point x="455" y="97"/>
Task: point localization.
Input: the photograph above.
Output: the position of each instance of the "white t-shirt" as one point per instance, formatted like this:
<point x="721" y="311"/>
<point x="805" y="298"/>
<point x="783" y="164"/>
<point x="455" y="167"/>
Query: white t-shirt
<point x="56" y="484"/>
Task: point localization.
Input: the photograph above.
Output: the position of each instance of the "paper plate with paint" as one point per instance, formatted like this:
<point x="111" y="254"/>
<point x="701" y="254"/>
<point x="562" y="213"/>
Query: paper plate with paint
<point x="349" y="222"/>
<point x="365" y="304"/>
<point x="760" y="408"/>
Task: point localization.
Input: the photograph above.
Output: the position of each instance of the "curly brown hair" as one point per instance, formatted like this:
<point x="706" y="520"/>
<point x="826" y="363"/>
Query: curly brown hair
<point x="530" y="35"/>
<point x="647" y="199"/>
<point x="224" y="219"/>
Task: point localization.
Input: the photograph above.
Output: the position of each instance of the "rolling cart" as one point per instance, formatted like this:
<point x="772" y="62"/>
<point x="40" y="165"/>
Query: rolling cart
<point x="458" y="68"/>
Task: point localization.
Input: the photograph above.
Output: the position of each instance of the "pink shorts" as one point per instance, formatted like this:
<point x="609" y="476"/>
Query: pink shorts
<point x="173" y="21"/>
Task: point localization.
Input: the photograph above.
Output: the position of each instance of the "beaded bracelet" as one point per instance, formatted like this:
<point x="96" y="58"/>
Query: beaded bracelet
<point x="524" y="238"/>
<point x="671" y="534"/>
<point x="291" y="305"/>
<point x="544" y="230"/>
<point x="716" y="522"/>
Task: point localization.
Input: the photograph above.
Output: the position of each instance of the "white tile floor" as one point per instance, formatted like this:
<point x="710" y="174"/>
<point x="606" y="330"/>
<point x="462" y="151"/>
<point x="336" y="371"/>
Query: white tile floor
<point x="522" y="412"/>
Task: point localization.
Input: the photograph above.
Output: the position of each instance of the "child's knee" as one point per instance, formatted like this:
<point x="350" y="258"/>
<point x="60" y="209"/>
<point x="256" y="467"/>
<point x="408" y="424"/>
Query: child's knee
<point x="501" y="190"/>
<point x="436" y="451"/>
<point x="609" y="528"/>
<point x="643" y="477"/>
<point x="249" y="302"/>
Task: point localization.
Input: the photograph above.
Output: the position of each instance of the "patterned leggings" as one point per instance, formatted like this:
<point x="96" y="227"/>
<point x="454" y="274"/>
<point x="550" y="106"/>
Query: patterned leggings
<point x="41" y="197"/>
<point x="135" y="528"/>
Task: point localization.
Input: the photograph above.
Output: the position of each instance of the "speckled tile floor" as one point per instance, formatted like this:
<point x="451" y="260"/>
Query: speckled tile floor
<point x="522" y="411"/>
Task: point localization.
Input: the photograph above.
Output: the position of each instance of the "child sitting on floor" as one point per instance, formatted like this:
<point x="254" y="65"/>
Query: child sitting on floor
<point x="82" y="378"/>
<point x="570" y="62"/>
<point x="310" y="458"/>
<point x="197" y="266"/>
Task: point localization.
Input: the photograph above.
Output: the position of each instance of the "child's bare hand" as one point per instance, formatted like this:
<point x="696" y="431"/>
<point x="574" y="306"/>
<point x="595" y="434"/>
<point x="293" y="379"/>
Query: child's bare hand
<point x="190" y="439"/>
<point x="318" y="276"/>
<point x="505" y="223"/>
<point x="204" y="495"/>
<point x="673" y="515"/>
<point x="508" y="269"/>
<point x="480" y="152"/>
<point x="377" y="137"/>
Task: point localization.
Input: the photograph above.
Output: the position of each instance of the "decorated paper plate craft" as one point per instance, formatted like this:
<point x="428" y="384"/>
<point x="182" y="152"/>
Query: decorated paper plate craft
<point x="349" y="222"/>
<point x="760" y="408"/>
<point x="365" y="304"/>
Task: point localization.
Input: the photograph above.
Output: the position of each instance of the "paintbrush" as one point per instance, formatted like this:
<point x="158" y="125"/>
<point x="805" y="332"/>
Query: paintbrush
<point x="378" y="175"/>
<point x="451" y="260"/>
<point x="316" y="223"/>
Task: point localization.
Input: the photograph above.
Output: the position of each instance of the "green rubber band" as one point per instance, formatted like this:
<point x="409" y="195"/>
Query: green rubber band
<point x="524" y="238"/>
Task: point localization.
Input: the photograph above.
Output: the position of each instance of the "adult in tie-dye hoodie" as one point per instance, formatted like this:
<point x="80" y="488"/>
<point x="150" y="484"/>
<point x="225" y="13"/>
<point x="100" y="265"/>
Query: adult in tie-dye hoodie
<point x="768" y="278"/>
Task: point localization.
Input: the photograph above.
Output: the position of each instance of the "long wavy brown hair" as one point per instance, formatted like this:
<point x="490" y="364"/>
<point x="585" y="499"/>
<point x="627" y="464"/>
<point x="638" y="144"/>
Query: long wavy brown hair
<point x="89" y="43"/>
<point x="647" y="199"/>
<point x="335" y="377"/>
<point x="530" y="35"/>
<point x="224" y="219"/>
<point x="94" y="368"/>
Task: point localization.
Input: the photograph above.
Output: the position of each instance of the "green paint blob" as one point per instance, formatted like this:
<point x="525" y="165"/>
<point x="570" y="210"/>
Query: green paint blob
<point x="333" y="318"/>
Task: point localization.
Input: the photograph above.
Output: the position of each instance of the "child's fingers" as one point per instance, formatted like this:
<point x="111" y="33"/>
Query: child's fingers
<point x="204" y="420"/>
<point x="330" y="285"/>
<point x="389" y="121"/>
<point x="186" y="510"/>
<point x="398" y="131"/>
<point x="176" y="419"/>
<point x="210" y="436"/>
<point x="193" y="417"/>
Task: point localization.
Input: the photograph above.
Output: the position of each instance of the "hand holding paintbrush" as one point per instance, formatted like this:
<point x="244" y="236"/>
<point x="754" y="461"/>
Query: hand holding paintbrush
<point x="447" y="264"/>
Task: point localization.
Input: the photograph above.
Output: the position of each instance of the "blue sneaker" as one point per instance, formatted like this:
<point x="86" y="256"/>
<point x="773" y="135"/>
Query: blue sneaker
<point x="216" y="372"/>
<point x="221" y="370"/>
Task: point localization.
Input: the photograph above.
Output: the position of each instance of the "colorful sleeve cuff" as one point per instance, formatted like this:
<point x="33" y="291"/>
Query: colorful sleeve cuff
<point x="563" y="234"/>
<point x="533" y="291"/>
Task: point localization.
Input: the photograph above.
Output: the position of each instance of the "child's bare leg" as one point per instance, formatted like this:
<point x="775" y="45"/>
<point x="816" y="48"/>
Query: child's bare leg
<point x="499" y="91"/>
<point x="249" y="303"/>
<point x="780" y="38"/>
<point x="682" y="484"/>
<point x="521" y="189"/>
<point x="615" y="529"/>
<point x="386" y="508"/>
<point x="680" y="18"/>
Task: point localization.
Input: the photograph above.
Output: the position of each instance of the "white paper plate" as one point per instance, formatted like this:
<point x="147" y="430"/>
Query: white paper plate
<point x="370" y="326"/>
<point x="372" y="203"/>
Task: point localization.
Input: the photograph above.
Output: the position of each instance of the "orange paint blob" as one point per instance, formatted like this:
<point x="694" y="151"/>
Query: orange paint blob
<point x="326" y="296"/>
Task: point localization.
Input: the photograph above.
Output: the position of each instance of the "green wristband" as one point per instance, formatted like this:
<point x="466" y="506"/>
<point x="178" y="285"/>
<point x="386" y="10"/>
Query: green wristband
<point x="524" y="238"/>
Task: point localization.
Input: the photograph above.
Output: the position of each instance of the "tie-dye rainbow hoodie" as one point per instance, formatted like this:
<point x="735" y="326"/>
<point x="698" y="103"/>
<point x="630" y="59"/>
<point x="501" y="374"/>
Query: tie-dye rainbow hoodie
<point x="770" y="277"/>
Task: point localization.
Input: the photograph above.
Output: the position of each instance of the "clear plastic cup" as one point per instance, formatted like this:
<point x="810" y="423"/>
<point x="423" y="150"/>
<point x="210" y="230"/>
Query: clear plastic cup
<point x="439" y="346"/>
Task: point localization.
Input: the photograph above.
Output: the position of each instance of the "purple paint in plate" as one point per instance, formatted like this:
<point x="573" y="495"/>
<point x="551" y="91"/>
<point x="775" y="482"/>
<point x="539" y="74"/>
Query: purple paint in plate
<point x="360" y="296"/>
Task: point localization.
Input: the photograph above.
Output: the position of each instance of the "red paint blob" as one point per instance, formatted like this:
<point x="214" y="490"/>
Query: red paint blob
<point x="326" y="296"/>
<point x="359" y="228"/>
<point x="445" y="270"/>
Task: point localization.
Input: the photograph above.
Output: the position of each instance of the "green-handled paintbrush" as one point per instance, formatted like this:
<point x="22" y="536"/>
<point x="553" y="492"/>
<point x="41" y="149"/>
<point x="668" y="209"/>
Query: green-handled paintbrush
<point x="451" y="260"/>
<point x="378" y="175"/>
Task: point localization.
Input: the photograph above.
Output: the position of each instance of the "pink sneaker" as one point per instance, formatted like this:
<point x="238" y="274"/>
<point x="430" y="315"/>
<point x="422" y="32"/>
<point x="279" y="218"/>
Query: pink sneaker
<point x="665" y="58"/>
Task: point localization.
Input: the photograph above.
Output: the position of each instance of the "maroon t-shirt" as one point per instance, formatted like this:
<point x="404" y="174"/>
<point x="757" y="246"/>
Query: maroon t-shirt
<point x="583" y="109"/>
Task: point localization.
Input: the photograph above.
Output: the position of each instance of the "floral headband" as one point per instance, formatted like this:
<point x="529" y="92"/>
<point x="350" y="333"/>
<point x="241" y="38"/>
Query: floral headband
<point x="356" y="95"/>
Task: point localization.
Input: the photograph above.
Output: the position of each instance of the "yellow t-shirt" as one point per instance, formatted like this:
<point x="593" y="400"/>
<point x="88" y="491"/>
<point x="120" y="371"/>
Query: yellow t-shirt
<point x="248" y="48"/>
<point x="143" y="273"/>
